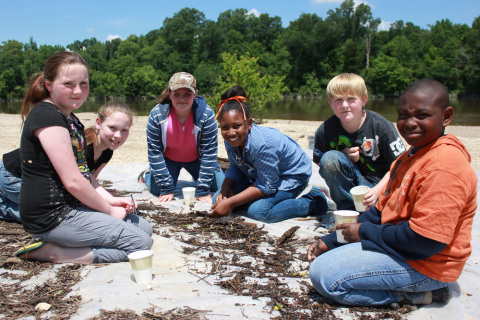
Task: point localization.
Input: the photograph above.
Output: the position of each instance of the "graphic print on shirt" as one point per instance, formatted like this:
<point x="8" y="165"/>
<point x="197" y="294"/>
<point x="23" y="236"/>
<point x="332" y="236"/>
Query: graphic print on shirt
<point x="397" y="147"/>
<point x="344" y="142"/>
<point x="370" y="148"/>
<point x="78" y="147"/>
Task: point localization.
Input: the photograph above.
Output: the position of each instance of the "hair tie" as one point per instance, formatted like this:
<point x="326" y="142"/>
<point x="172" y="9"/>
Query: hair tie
<point x="239" y="99"/>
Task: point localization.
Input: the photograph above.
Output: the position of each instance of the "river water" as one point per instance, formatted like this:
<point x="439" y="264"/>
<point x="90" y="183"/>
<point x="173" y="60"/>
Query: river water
<point x="467" y="110"/>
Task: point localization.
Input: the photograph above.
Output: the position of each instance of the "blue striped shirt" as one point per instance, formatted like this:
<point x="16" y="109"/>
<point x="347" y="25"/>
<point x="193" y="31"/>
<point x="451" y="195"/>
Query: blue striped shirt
<point x="206" y="137"/>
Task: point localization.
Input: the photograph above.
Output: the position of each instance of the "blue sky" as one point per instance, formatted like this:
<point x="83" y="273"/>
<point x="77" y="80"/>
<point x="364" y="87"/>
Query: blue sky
<point x="62" y="22"/>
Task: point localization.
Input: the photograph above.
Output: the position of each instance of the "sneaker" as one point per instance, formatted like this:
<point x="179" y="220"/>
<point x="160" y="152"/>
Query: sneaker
<point x="441" y="295"/>
<point x="141" y="176"/>
<point x="332" y="206"/>
<point x="320" y="195"/>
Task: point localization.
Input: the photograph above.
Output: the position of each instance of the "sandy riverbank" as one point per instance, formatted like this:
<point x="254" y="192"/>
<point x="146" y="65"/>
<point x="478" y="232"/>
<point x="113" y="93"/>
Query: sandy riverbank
<point x="135" y="149"/>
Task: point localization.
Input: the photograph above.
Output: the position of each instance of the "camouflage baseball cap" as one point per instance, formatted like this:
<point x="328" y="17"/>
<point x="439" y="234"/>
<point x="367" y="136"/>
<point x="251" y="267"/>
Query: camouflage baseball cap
<point x="182" y="80"/>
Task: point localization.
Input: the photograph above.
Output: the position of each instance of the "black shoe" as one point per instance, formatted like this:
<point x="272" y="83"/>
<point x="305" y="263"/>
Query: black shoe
<point x="141" y="176"/>
<point x="441" y="295"/>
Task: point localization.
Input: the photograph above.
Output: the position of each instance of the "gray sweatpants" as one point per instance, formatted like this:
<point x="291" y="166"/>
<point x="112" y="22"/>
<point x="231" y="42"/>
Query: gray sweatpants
<point x="111" y="239"/>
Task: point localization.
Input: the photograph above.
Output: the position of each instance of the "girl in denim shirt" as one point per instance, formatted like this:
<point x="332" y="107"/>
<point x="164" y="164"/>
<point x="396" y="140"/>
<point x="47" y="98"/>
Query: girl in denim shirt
<point x="268" y="169"/>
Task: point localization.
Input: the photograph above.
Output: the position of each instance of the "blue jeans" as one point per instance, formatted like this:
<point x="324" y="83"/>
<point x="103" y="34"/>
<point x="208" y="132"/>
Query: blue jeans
<point x="351" y="276"/>
<point x="341" y="175"/>
<point x="276" y="207"/>
<point x="110" y="238"/>
<point x="193" y="168"/>
<point x="9" y="193"/>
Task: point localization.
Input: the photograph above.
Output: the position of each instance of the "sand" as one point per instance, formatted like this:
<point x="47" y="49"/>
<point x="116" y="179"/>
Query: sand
<point x="135" y="149"/>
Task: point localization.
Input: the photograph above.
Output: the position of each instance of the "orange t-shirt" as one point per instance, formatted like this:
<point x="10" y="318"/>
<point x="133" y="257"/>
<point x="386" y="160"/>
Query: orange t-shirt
<point x="435" y="190"/>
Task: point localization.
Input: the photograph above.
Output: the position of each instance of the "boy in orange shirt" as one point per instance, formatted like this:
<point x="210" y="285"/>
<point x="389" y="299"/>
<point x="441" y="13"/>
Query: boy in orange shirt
<point x="417" y="238"/>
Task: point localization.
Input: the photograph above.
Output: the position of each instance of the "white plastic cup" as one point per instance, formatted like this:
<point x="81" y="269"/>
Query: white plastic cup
<point x="344" y="216"/>
<point x="358" y="194"/>
<point x="311" y="142"/>
<point x="189" y="195"/>
<point x="141" y="262"/>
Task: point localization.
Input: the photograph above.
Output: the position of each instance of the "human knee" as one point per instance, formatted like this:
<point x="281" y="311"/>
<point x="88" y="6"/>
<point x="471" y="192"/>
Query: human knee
<point x="259" y="211"/>
<point x="331" y="161"/>
<point x="144" y="242"/>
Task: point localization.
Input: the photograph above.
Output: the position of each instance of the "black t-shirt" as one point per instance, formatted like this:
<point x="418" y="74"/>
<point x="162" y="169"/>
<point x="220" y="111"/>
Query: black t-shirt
<point x="104" y="158"/>
<point x="378" y="139"/>
<point x="12" y="162"/>
<point x="44" y="201"/>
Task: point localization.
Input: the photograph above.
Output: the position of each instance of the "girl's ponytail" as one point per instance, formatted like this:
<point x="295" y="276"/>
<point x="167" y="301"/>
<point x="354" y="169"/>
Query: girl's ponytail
<point x="36" y="93"/>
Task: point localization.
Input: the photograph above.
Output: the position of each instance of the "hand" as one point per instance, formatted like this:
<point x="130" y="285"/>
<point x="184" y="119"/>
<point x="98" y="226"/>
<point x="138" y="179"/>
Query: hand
<point x="118" y="212"/>
<point x="353" y="153"/>
<point x="317" y="248"/>
<point x="221" y="208"/>
<point x="206" y="199"/>
<point x="371" y="198"/>
<point x="225" y="193"/>
<point x="165" y="197"/>
<point x="350" y="231"/>
<point x="123" y="202"/>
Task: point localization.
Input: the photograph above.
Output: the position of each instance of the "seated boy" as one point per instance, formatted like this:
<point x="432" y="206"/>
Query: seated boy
<point x="354" y="146"/>
<point x="417" y="238"/>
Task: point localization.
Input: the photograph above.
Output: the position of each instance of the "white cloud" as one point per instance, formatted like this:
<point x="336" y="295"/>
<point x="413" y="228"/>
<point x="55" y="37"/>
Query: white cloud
<point x="115" y="36"/>
<point x="90" y="30"/>
<point x="384" y="25"/>
<point x="255" y="12"/>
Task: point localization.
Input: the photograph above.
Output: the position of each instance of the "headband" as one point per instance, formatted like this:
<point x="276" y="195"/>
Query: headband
<point x="239" y="99"/>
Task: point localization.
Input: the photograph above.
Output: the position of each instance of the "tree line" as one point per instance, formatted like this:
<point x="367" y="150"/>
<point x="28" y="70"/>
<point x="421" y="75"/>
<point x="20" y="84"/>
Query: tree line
<point x="298" y="59"/>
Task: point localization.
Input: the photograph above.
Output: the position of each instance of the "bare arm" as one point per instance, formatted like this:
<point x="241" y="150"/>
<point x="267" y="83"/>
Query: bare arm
<point x="58" y="147"/>
<point x="374" y="193"/>
<point x="224" y="206"/>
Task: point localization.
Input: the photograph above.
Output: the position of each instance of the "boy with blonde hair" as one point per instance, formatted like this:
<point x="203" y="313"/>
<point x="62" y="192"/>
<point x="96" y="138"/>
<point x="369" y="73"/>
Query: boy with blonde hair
<point x="354" y="146"/>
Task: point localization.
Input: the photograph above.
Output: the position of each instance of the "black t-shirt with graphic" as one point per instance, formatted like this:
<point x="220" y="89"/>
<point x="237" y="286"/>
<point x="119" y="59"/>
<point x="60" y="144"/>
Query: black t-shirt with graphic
<point x="378" y="139"/>
<point x="44" y="201"/>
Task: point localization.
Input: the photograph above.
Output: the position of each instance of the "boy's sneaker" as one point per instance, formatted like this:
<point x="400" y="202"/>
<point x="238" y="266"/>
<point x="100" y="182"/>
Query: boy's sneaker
<point x="320" y="196"/>
<point x="441" y="295"/>
<point x="332" y="206"/>
<point x="141" y="176"/>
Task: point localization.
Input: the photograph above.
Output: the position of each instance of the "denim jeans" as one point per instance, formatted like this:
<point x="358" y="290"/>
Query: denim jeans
<point x="110" y="238"/>
<point x="351" y="276"/>
<point x="193" y="168"/>
<point x="276" y="207"/>
<point x="341" y="175"/>
<point x="9" y="193"/>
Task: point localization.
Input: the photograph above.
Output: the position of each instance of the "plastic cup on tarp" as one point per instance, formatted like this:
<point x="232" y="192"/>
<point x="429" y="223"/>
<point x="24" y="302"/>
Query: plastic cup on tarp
<point x="141" y="262"/>
<point x="344" y="216"/>
<point x="358" y="194"/>
<point x="189" y="195"/>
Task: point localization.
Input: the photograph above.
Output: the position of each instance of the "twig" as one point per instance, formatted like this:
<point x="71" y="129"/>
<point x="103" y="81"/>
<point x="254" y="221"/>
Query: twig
<point x="200" y="278"/>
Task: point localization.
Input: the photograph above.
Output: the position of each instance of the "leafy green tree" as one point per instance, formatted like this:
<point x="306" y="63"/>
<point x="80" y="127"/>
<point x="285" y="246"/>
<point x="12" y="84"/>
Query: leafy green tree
<point x="313" y="85"/>
<point x="11" y="75"/>
<point x="387" y="76"/>
<point x="244" y="71"/>
<point x="206" y="75"/>
<point x="143" y="82"/>
<point x="181" y="36"/>
<point x="104" y="84"/>
<point x="471" y="73"/>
